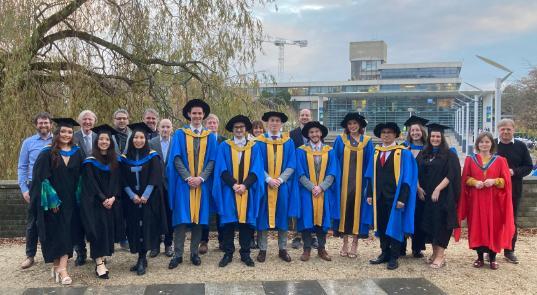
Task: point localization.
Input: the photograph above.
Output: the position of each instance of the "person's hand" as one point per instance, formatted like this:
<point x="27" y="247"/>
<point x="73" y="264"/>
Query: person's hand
<point x="56" y="210"/>
<point x="421" y="193"/>
<point x="195" y="182"/>
<point x="236" y="187"/>
<point x="241" y="189"/>
<point x="143" y="200"/>
<point x="136" y="200"/>
<point x="489" y="182"/>
<point x="316" y="191"/>
<point x="400" y="205"/>
<point x="511" y="172"/>
<point x="26" y="197"/>
<point x="479" y="184"/>
<point x="111" y="201"/>
<point x="274" y="183"/>
<point x="369" y="201"/>
<point x="105" y="204"/>
<point x="435" y="196"/>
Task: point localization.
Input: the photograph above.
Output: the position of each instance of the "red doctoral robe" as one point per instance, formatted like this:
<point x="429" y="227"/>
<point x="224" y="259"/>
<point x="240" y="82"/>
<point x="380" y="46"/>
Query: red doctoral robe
<point x="489" y="210"/>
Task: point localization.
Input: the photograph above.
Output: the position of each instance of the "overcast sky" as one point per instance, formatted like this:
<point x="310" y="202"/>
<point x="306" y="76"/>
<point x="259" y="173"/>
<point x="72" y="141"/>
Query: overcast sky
<point x="415" y="31"/>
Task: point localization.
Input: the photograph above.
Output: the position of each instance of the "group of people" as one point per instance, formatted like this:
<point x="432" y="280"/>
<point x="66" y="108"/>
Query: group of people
<point x="140" y="185"/>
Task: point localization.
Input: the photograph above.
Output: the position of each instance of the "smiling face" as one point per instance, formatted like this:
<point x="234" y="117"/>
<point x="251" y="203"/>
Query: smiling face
<point x="415" y="132"/>
<point x="435" y="138"/>
<point x="239" y="130"/>
<point x="196" y="115"/>
<point x="103" y="142"/>
<point x="87" y="122"/>
<point x="387" y="135"/>
<point x="138" y="140"/>
<point x="506" y="133"/>
<point x="304" y="116"/>
<point x="66" y="134"/>
<point x="212" y="124"/>
<point x="43" y="126"/>
<point x="150" y="119"/>
<point x="274" y="124"/>
<point x="353" y="126"/>
<point x="315" y="135"/>
<point x="485" y="144"/>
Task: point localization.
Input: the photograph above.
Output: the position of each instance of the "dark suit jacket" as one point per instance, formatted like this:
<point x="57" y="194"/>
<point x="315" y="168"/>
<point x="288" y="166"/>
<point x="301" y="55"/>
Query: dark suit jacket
<point x="296" y="136"/>
<point x="220" y="139"/>
<point x="154" y="144"/>
<point x="77" y="139"/>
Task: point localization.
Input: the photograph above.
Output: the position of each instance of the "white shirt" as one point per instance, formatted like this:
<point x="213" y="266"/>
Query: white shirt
<point x="512" y="140"/>
<point x="196" y="130"/>
<point x="240" y="143"/>
<point x="316" y="147"/>
<point x="279" y="134"/>
<point x="387" y="154"/>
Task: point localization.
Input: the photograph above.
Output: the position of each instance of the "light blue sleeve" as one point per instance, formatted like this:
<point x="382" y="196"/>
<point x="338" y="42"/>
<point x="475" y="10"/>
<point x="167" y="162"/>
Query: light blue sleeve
<point x="22" y="167"/>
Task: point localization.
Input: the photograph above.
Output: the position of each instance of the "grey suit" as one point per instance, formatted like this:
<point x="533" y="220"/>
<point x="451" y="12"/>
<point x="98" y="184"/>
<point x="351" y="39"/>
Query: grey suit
<point x="155" y="144"/>
<point x="78" y="140"/>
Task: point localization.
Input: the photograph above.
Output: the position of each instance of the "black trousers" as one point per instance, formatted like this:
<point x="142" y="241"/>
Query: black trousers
<point x="388" y="245"/>
<point x="168" y="237"/>
<point x="205" y="232"/>
<point x="517" y="192"/>
<point x="245" y="238"/>
<point x="31" y="229"/>
<point x="308" y="240"/>
<point x="418" y="238"/>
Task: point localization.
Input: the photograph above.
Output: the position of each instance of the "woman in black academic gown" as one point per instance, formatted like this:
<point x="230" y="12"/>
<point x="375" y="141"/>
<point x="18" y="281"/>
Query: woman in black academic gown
<point x="440" y="180"/>
<point x="101" y="213"/>
<point x="54" y="197"/>
<point x="142" y="196"/>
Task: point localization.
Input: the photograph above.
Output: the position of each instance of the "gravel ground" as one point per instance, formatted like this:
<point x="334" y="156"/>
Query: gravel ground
<point x="458" y="277"/>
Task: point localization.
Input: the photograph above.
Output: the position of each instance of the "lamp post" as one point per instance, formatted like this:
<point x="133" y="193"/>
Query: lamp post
<point x="497" y="91"/>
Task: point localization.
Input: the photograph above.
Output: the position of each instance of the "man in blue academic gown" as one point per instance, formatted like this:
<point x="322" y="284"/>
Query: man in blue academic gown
<point x="190" y="168"/>
<point x="238" y="188"/>
<point x="280" y="200"/>
<point x="393" y="179"/>
<point x="318" y="174"/>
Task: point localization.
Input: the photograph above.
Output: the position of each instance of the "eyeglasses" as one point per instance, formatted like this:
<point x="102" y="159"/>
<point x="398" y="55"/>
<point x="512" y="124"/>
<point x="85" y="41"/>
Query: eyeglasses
<point x="239" y="127"/>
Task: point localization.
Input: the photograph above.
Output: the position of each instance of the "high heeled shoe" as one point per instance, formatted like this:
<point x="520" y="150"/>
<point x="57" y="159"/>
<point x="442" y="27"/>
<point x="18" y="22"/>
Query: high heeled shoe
<point x="63" y="280"/>
<point x="105" y="275"/>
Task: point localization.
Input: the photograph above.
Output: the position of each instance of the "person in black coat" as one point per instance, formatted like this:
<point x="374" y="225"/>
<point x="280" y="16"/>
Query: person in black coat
<point x="520" y="165"/>
<point x="100" y="207"/>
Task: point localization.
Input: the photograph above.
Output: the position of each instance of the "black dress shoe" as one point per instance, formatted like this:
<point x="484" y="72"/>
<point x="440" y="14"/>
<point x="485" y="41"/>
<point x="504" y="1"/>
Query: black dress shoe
<point x="196" y="260"/>
<point x="225" y="260"/>
<point x="261" y="256"/>
<point x="510" y="257"/>
<point x="248" y="261"/>
<point x="417" y="254"/>
<point x="392" y="264"/>
<point x="174" y="262"/>
<point x="141" y="266"/>
<point x="168" y="251"/>
<point x="154" y="253"/>
<point x="383" y="258"/>
<point x="80" y="259"/>
<point x="284" y="255"/>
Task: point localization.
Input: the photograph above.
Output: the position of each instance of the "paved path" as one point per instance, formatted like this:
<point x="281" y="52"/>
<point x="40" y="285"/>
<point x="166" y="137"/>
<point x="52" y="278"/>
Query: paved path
<point x="340" y="287"/>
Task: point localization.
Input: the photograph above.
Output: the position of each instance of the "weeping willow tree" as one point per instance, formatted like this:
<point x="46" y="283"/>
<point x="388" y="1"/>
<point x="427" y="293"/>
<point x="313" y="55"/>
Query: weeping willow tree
<point x="66" y="56"/>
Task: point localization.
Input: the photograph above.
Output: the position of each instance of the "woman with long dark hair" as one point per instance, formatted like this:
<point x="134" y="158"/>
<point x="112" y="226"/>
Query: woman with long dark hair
<point x="54" y="196"/>
<point x="486" y="201"/>
<point x="439" y="175"/>
<point x="144" y="204"/>
<point x="100" y="207"/>
<point x="354" y="150"/>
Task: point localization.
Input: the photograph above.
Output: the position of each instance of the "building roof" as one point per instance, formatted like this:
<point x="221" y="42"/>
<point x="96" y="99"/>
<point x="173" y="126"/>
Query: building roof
<point x="452" y="64"/>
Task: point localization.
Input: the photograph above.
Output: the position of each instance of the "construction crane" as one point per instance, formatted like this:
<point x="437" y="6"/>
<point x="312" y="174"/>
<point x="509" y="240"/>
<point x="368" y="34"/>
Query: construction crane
<point x="280" y="42"/>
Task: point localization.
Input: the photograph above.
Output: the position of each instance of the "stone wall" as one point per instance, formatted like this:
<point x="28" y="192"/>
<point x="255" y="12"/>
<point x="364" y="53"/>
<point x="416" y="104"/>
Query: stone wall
<point x="13" y="208"/>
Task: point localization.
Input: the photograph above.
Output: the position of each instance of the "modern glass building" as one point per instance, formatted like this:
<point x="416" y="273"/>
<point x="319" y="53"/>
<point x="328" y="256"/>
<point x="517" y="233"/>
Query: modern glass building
<point x="389" y="92"/>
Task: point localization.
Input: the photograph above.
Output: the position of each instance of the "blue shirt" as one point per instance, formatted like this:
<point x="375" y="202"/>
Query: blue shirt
<point x="165" y="145"/>
<point x="30" y="149"/>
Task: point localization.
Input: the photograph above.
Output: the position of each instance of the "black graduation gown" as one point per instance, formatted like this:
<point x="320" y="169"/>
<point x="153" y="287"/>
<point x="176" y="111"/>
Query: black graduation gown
<point x="441" y="216"/>
<point x="103" y="226"/>
<point x="56" y="229"/>
<point x="152" y="215"/>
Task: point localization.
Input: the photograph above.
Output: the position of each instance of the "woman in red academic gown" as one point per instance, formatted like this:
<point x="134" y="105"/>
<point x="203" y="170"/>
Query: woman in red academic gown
<point x="486" y="201"/>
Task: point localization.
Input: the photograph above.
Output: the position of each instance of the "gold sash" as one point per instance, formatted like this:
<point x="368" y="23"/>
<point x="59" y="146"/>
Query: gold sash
<point x="318" y="202"/>
<point x="274" y="171"/>
<point x="358" y="180"/>
<point x="241" y="201"/>
<point x="195" y="193"/>
<point x="396" y="168"/>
